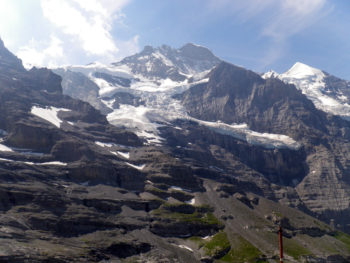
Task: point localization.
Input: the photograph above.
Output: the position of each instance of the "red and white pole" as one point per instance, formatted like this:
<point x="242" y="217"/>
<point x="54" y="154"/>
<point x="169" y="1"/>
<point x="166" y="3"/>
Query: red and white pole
<point x="280" y="233"/>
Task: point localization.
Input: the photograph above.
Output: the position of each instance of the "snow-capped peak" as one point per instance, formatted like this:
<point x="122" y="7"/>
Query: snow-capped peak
<point x="302" y="71"/>
<point x="316" y="85"/>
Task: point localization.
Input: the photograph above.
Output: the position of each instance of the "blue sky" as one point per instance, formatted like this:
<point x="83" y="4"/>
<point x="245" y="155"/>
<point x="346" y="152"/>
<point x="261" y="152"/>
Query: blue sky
<point x="257" y="34"/>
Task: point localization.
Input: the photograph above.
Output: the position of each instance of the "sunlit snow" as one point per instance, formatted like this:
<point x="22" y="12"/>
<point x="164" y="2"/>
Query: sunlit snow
<point x="105" y="144"/>
<point x="138" y="167"/>
<point x="242" y="132"/>
<point x="4" y="148"/>
<point x="49" y="114"/>
<point x="191" y="202"/>
<point x="311" y="82"/>
<point x="125" y="155"/>
<point x="185" y="247"/>
<point x="53" y="163"/>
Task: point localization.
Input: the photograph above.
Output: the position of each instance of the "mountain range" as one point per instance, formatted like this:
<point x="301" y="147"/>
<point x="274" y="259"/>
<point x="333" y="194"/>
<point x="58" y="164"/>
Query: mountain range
<point x="172" y="155"/>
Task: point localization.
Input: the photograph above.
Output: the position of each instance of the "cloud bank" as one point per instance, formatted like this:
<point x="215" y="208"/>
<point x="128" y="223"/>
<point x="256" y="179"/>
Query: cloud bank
<point x="67" y="31"/>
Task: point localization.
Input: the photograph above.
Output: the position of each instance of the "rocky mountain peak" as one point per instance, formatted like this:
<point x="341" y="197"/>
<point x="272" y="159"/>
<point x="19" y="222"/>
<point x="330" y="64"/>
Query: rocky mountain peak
<point x="197" y="52"/>
<point x="225" y="72"/>
<point x="167" y="62"/>
<point x="9" y="61"/>
<point x="147" y="50"/>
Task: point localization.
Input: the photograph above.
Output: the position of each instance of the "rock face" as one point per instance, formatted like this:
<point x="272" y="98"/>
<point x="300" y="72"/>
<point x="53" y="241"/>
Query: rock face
<point x="166" y="62"/>
<point x="235" y="95"/>
<point x="74" y="188"/>
<point x="79" y="86"/>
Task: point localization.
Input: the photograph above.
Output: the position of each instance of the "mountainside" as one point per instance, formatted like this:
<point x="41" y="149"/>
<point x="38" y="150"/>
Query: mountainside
<point x="235" y="95"/>
<point x="220" y="159"/>
<point x="327" y="92"/>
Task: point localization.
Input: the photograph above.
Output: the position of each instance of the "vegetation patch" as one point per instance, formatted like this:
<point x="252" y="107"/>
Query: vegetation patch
<point x="217" y="246"/>
<point x="345" y="238"/>
<point x="294" y="249"/>
<point x="179" y="195"/>
<point x="200" y="214"/>
<point x="243" y="251"/>
<point x="158" y="192"/>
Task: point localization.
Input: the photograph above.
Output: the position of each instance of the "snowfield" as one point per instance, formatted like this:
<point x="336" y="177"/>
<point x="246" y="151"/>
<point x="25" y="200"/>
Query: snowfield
<point x="49" y="114"/>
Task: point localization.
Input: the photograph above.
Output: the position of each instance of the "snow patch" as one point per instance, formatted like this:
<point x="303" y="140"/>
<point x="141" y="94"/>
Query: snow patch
<point x="138" y="167"/>
<point x="4" y="148"/>
<point x="57" y="163"/>
<point x="242" y="132"/>
<point x="177" y="188"/>
<point x="125" y="155"/>
<point x="185" y="247"/>
<point x="191" y="202"/>
<point x="6" y="160"/>
<point x="105" y="144"/>
<point x="138" y="120"/>
<point x="49" y="114"/>
<point x="52" y="163"/>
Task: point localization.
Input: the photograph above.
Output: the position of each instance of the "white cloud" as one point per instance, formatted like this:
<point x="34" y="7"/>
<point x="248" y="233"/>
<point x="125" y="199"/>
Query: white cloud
<point x="9" y="15"/>
<point x="128" y="47"/>
<point x="91" y="29"/>
<point x="57" y="32"/>
<point x="36" y="54"/>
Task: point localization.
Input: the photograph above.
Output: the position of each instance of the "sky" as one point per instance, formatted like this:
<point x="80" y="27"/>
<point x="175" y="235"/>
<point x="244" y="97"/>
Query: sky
<point x="257" y="34"/>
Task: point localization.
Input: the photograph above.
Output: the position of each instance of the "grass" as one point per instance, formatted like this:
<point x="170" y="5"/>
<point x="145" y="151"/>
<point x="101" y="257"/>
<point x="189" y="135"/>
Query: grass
<point x="242" y="251"/>
<point x="197" y="216"/>
<point x="217" y="245"/>
<point x="344" y="238"/>
<point x="239" y="251"/>
<point x="294" y="249"/>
